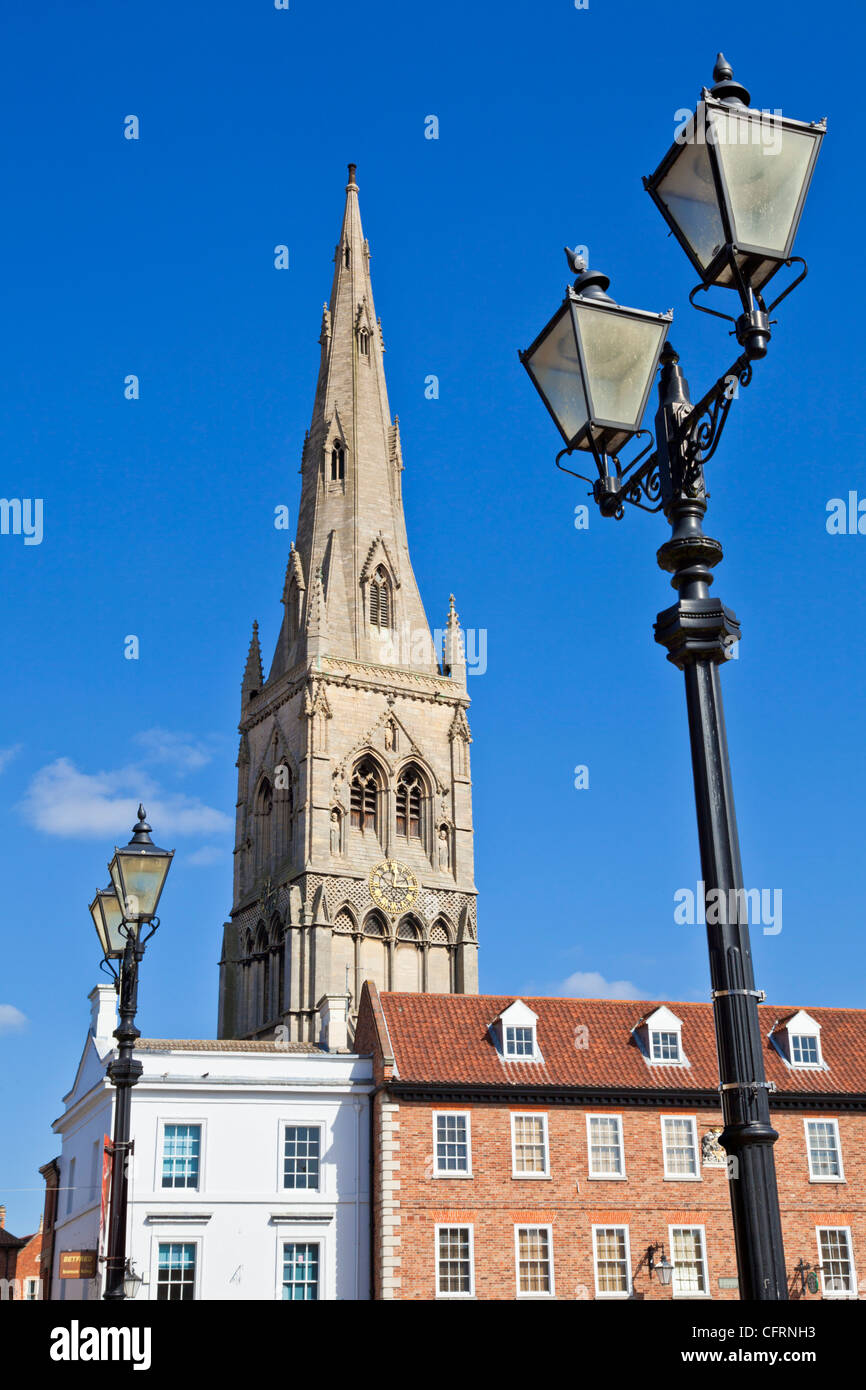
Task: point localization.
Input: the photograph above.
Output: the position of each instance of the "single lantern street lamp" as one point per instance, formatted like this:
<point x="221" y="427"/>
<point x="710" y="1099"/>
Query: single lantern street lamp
<point x="120" y="912"/>
<point x="732" y="189"/>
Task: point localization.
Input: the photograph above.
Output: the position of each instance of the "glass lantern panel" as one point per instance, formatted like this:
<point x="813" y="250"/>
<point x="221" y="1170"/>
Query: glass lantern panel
<point x="555" y="369"/>
<point x="114" y="921"/>
<point x="620" y="354"/>
<point x="143" y="877"/>
<point x="689" y="194"/>
<point x="765" y="168"/>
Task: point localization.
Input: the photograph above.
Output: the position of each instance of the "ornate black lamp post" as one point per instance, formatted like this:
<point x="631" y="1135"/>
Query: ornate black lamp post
<point x="732" y="188"/>
<point x="119" y="912"/>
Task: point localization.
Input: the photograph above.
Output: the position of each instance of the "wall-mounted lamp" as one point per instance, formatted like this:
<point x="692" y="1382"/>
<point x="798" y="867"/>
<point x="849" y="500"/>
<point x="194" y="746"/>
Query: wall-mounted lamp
<point x="664" y="1269"/>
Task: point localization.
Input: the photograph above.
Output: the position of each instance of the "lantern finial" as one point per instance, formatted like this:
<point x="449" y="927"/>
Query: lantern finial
<point x="725" y="88"/>
<point x="723" y="69"/>
<point x="141" y="829"/>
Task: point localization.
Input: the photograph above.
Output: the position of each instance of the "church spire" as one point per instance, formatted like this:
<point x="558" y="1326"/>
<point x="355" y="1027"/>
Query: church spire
<point x="354" y="762"/>
<point x="252" y="682"/>
<point x="454" y="653"/>
<point x="351" y="523"/>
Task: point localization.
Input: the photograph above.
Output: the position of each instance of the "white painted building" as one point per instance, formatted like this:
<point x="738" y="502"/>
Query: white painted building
<point x="250" y="1173"/>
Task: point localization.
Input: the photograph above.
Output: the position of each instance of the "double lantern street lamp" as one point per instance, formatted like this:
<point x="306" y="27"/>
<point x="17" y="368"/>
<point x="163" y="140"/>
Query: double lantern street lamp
<point x="120" y="914"/>
<point x="732" y="189"/>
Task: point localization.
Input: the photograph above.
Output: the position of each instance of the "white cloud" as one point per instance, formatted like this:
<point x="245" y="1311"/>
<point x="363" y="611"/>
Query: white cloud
<point x="12" y="1020"/>
<point x="181" y="751"/>
<point x="61" y="800"/>
<point x="590" y="984"/>
<point x="7" y="754"/>
<point x="206" y="856"/>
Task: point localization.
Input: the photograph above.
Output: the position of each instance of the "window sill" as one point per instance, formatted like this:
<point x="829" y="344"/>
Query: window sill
<point x="531" y="1177"/>
<point x="840" y="1181"/>
<point x="607" y="1177"/>
<point x="450" y="1176"/>
<point x="683" y="1177"/>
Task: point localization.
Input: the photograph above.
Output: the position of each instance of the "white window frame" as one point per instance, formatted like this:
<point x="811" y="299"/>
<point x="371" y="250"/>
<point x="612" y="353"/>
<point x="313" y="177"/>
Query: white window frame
<point x="666" y="1061"/>
<point x="301" y="1236"/>
<point x="621" y="1176"/>
<point x="173" y="1236"/>
<point x="301" y="1194"/>
<point x="806" y="1066"/>
<point x="450" y="1226"/>
<point x="178" y="1192"/>
<point x="529" y="1028"/>
<point x="451" y="1172"/>
<point x="822" y="1177"/>
<point x="307" y="1230"/>
<point x="534" y="1115"/>
<point x="612" y="1226"/>
<point x="533" y="1226"/>
<point x="853" y="1292"/>
<point x="705" y="1264"/>
<point x="682" y="1177"/>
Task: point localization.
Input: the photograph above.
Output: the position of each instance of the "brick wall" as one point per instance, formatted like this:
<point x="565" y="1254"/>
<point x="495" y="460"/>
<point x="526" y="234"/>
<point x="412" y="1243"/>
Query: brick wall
<point x="493" y="1201"/>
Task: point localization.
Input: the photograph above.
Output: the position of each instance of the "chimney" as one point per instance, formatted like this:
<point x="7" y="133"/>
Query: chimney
<point x="2" y="1218"/>
<point x="103" y="1011"/>
<point x="334" y="1015"/>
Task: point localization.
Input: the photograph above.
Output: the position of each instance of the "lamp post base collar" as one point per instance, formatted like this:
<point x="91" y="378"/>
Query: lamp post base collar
<point x="697" y="630"/>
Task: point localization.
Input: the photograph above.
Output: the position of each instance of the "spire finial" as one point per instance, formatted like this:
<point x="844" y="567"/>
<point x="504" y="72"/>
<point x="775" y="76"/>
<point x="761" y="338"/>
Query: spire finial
<point x="252" y="681"/>
<point x="352" y="180"/>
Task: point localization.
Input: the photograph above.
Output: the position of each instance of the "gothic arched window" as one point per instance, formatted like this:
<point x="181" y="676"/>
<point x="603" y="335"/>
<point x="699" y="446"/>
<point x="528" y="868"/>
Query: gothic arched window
<point x="264" y="804"/>
<point x="338" y="463"/>
<point x="278" y="948"/>
<point x="364" y="342"/>
<point x="347" y="256"/>
<point x="263" y="971"/>
<point x="380" y="599"/>
<point x="365" y="796"/>
<point x="409" y="792"/>
<point x="284" y="805"/>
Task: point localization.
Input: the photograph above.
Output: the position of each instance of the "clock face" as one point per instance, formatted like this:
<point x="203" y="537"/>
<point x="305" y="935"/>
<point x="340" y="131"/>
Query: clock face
<point x="393" y="886"/>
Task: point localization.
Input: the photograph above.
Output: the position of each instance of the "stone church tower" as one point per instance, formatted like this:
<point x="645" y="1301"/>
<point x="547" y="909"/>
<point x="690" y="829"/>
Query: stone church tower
<point x="353" y="854"/>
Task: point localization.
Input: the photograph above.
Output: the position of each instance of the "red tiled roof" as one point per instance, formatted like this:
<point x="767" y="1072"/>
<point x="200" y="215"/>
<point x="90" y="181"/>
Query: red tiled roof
<point x="444" y="1039"/>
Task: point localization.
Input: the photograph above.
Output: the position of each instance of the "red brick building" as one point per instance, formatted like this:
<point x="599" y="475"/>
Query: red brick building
<point x="539" y="1148"/>
<point x="20" y="1263"/>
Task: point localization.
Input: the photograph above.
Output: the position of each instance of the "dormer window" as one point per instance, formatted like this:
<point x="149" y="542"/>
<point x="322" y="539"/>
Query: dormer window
<point x="364" y="343"/>
<point x="664" y="1047"/>
<point x="347" y="256"/>
<point x="805" y="1050"/>
<point x="515" y="1034"/>
<point x="338" y="463"/>
<point x="660" y="1039"/>
<point x="519" y="1042"/>
<point x="798" y="1039"/>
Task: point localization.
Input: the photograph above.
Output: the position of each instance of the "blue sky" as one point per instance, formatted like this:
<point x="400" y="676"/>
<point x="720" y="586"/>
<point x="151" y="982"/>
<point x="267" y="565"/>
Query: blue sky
<point x="155" y="257"/>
